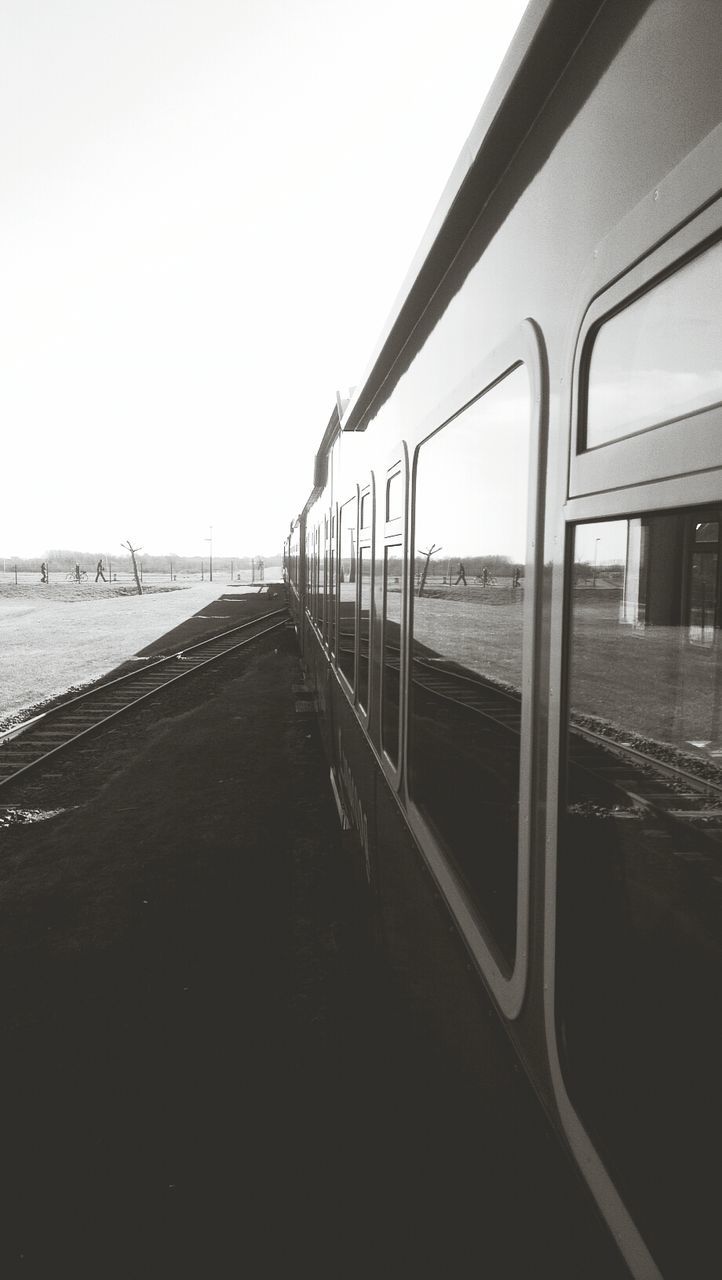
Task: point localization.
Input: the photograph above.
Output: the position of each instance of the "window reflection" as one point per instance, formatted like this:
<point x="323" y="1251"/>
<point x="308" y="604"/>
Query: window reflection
<point x="391" y="657"/>
<point x="471" y="498"/>
<point x="661" y="357"/>
<point x="639" y="867"/>
<point x="347" y="590"/>
<point x="330" y="588"/>
<point x="364" y="626"/>
<point x="394" y="497"/>
<point x="322" y="561"/>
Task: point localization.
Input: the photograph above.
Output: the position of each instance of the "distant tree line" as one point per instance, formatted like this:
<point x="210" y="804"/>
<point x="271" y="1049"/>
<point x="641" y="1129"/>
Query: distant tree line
<point x="62" y="559"/>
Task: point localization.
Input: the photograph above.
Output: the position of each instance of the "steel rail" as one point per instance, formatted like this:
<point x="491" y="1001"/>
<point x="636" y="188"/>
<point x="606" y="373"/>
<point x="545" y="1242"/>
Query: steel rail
<point x="479" y="696"/>
<point x="64" y="721"/>
<point x="676" y="773"/>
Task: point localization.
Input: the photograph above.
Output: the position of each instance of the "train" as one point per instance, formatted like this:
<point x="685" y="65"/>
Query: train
<point x="506" y="579"/>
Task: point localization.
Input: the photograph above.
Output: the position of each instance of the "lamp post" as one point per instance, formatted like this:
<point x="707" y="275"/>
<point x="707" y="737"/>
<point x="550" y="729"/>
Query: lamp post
<point x="596" y="548"/>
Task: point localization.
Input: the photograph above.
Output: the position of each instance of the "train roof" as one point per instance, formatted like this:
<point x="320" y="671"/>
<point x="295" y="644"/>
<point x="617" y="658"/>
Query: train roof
<point x="548" y="34"/>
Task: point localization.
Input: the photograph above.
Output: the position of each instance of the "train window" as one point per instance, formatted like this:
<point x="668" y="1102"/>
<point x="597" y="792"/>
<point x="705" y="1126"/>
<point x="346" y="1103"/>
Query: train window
<point x="330" y="588"/>
<point x="660" y="358"/>
<point x="391" y="656"/>
<point x="347" y="590"/>
<point x="639" y="978"/>
<point x="316" y="571"/>
<point x="394" y="496"/>
<point x="364" y="569"/>
<point x="471" y="499"/>
<point x="322" y="560"/>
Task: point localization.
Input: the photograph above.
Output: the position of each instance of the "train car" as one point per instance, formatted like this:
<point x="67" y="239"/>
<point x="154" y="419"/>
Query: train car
<point x="507" y="584"/>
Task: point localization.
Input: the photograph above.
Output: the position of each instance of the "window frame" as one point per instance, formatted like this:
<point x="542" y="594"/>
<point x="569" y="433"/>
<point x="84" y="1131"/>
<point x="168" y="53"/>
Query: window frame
<point x="525" y="347"/>
<point x="664" y="450"/>
<point x="395" y="534"/>
<point x="675" y="218"/>
<point x="348" y="686"/>
<point x="366" y="542"/>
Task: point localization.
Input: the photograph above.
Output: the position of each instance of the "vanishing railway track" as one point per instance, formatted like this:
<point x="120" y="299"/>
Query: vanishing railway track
<point x="31" y="744"/>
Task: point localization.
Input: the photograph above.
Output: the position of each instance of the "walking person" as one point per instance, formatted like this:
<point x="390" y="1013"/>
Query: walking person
<point x="44" y="571"/>
<point x="462" y="574"/>
<point x="99" y="570"/>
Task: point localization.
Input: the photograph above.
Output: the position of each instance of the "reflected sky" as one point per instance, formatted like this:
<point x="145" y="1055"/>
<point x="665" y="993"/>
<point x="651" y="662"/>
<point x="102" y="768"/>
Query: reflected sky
<point x="661" y="357"/>
<point x="471" y="488"/>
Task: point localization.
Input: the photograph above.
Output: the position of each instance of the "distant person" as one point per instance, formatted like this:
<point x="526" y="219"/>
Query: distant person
<point x="44" y="571"/>
<point x="485" y="577"/>
<point x="99" y="570"/>
<point x="77" y="572"/>
<point x="517" y="578"/>
<point x="462" y="574"/>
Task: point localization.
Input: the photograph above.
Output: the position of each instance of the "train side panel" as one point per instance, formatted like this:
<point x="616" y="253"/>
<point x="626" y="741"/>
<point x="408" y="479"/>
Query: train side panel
<point x="516" y="546"/>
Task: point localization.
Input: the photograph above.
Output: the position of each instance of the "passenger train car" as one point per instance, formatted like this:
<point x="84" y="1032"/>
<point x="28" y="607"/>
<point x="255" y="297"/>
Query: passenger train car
<point x="507" y="584"/>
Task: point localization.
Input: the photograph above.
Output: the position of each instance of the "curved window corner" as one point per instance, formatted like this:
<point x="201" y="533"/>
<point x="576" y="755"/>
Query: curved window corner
<point x="639" y="956"/>
<point x="472" y="496"/>
<point x="659" y="358"/>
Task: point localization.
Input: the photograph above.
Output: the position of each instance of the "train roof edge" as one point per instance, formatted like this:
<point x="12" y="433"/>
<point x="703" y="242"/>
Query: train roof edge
<point x="544" y="42"/>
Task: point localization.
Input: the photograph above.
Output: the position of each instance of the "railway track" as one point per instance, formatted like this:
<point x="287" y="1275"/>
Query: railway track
<point x="495" y="704"/>
<point x="28" y="746"/>
<point x="612" y="770"/>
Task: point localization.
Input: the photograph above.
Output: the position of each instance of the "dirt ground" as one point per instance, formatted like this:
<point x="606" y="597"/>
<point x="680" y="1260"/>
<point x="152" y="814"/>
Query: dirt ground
<point x="150" y="988"/>
<point x="192" y="1038"/>
<point x="205" y="1070"/>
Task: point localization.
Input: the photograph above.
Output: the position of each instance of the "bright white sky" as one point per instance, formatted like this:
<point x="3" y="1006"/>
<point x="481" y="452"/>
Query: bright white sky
<point x="208" y="209"/>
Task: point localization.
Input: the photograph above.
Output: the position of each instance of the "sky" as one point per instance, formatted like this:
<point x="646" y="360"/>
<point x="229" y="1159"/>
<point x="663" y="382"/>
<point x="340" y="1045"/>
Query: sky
<point x="208" y="209"/>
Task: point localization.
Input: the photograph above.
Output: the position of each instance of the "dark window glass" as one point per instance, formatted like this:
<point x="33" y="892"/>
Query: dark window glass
<point x="661" y="357"/>
<point x="321" y="593"/>
<point x="391" y="659"/>
<point x="347" y="590"/>
<point x="639" y="978"/>
<point x="364" y="626"/>
<point x="394" y="497"/>
<point x="331" y="592"/>
<point x="471" y="500"/>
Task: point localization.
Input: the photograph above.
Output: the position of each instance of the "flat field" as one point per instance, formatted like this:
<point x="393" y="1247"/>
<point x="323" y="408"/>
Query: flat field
<point x="66" y="634"/>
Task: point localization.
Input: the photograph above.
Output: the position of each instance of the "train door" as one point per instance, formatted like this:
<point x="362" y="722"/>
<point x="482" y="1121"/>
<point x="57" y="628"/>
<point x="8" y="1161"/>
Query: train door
<point x="635" y="962"/>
